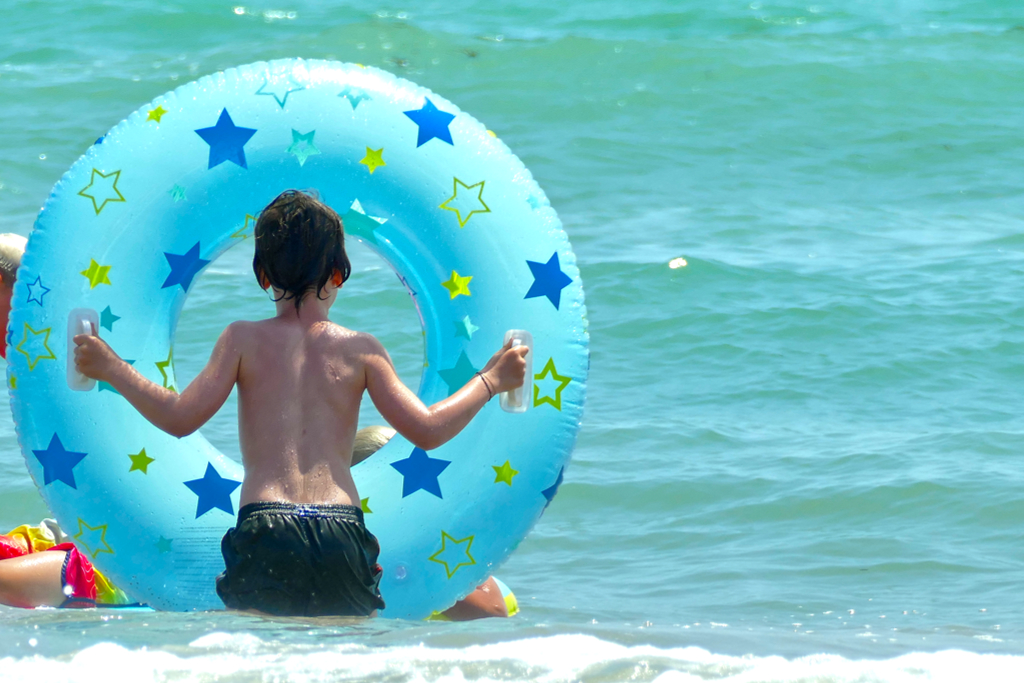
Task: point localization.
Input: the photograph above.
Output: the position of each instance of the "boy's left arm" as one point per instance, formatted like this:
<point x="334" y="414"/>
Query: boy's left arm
<point x="176" y="414"/>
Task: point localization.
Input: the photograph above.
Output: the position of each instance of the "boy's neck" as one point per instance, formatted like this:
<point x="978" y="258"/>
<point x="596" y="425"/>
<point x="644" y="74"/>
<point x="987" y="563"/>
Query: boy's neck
<point x="313" y="308"/>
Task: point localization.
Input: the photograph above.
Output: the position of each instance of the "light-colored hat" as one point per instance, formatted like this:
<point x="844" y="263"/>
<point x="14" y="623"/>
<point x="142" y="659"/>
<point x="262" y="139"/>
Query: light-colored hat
<point x="369" y="440"/>
<point x="12" y="246"/>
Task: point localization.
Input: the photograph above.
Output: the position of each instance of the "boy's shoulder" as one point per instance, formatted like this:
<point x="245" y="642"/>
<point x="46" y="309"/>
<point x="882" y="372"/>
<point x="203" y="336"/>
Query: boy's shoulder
<point x="354" y="342"/>
<point x="360" y="342"/>
<point x="242" y="329"/>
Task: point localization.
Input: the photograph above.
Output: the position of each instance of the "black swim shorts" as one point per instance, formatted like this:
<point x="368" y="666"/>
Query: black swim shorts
<point x="301" y="560"/>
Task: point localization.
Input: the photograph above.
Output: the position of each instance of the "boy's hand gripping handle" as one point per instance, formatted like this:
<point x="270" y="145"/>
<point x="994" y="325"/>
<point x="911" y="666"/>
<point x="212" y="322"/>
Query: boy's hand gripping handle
<point x="518" y="400"/>
<point x="80" y="321"/>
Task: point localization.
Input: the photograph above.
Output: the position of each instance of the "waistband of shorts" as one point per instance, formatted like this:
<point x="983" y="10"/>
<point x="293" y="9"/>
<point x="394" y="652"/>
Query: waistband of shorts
<point x="352" y="513"/>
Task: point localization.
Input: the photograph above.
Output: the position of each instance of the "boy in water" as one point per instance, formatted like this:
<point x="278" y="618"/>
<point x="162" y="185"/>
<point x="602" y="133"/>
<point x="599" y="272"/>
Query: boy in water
<point x="300" y="546"/>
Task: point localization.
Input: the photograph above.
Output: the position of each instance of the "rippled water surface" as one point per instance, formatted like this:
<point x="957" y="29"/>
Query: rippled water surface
<point x="801" y="457"/>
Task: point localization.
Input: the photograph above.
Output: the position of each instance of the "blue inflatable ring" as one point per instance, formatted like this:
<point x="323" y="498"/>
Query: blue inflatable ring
<point x="164" y="193"/>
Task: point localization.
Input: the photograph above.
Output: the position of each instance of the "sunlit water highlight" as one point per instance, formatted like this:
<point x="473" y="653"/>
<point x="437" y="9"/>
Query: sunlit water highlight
<point x="799" y="229"/>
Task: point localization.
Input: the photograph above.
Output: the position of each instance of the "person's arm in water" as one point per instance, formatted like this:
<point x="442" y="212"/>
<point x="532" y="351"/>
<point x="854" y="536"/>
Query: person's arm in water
<point x="486" y="601"/>
<point x="177" y="414"/>
<point x="32" y="580"/>
<point x="429" y="427"/>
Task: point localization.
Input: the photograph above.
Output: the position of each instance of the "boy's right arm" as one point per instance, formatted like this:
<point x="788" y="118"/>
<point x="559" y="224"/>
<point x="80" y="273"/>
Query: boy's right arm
<point x="429" y="427"/>
<point x="176" y="414"/>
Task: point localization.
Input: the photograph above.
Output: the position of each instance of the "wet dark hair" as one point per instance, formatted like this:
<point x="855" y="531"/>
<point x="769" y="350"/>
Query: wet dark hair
<point x="300" y="242"/>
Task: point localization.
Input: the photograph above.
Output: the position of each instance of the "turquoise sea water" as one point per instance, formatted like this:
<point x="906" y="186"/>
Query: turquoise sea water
<point x="801" y="457"/>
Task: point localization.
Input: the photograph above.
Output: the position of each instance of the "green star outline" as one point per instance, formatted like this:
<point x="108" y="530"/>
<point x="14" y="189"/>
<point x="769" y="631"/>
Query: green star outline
<point x="538" y="400"/>
<point x="113" y="186"/>
<point x="444" y="543"/>
<point x="165" y="365"/>
<point x="46" y="338"/>
<point x="102" y="528"/>
<point x="455" y="194"/>
<point x="241" y="233"/>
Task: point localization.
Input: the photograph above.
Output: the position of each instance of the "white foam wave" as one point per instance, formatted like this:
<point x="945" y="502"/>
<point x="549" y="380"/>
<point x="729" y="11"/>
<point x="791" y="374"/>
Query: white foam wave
<point x="227" y="658"/>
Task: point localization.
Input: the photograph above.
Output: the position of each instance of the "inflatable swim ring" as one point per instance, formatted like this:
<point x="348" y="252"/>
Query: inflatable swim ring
<point x="443" y="201"/>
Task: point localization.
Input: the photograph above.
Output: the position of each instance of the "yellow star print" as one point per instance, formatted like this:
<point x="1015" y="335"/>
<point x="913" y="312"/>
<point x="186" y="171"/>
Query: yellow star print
<point x="90" y="540"/>
<point x="32" y="353"/>
<point x="243" y="232"/>
<point x="504" y="473"/>
<point x="96" y="274"/>
<point x="140" y="461"/>
<point x="156" y="114"/>
<point x="561" y="380"/>
<point x="373" y="159"/>
<point x="461" y="205"/>
<point x="167" y="371"/>
<point x="457" y="285"/>
<point x="102" y="188"/>
<point x="461" y="554"/>
<point x="364" y="503"/>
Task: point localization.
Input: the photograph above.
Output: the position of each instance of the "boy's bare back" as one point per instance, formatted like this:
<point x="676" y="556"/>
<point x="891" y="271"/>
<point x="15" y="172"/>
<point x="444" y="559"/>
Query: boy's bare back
<point x="299" y="389"/>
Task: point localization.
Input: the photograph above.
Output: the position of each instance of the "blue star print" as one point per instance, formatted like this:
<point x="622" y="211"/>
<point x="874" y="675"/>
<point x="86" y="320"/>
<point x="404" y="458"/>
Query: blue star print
<point x="548" y="280"/>
<point x="549" y="493"/>
<point x="226" y="141"/>
<point x="214" y="491"/>
<point x="184" y="267"/>
<point x="40" y="292"/>
<point x="420" y="471"/>
<point x="58" y="463"/>
<point x="433" y="123"/>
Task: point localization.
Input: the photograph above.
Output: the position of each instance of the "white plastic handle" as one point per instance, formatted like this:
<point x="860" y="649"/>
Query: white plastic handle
<point x="515" y="398"/>
<point x="80" y="321"/>
<point x="518" y="400"/>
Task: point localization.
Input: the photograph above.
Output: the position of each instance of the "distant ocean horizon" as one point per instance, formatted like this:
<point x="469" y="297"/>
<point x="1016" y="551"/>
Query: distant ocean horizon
<point x="800" y="230"/>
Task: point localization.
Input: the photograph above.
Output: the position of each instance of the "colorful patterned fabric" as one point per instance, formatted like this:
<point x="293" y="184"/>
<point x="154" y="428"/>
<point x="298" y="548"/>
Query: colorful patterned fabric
<point x="83" y="584"/>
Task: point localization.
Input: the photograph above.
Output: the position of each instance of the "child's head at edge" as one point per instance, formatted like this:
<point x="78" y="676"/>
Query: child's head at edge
<point x="12" y="247"/>
<point x="300" y="247"/>
<point x="369" y="440"/>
